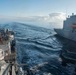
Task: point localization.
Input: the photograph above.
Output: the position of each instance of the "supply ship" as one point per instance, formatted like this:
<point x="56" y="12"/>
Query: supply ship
<point x="68" y="32"/>
<point x="69" y="28"/>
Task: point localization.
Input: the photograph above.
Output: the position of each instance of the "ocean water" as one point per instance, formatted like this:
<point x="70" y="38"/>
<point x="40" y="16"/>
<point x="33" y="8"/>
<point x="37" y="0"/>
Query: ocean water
<point x="40" y="49"/>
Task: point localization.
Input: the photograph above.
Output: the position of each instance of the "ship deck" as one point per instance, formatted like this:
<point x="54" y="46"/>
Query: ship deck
<point x="5" y="67"/>
<point x="6" y="71"/>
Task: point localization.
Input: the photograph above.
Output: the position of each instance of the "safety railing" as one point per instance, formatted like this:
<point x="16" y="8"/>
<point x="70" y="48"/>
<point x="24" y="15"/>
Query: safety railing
<point x="14" y="69"/>
<point x="6" y="70"/>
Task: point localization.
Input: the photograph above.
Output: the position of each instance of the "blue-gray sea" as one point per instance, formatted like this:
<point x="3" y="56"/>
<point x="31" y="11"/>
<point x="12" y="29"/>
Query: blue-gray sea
<point x="40" y="49"/>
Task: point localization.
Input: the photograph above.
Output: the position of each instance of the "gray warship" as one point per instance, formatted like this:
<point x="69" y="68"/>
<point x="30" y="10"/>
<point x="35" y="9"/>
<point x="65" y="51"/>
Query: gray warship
<point x="8" y="61"/>
<point x="69" y="28"/>
<point x="68" y="32"/>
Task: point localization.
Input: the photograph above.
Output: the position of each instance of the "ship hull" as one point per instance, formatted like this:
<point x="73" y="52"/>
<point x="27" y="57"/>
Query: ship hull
<point x="67" y="56"/>
<point x="66" y="34"/>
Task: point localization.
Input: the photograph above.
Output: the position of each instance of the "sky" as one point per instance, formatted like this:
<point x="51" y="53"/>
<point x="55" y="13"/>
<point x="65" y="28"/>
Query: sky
<point x="37" y="11"/>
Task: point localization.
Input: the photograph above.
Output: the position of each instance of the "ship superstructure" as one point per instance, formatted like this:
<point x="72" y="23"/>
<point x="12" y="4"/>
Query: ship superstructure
<point x="8" y="61"/>
<point x="7" y="50"/>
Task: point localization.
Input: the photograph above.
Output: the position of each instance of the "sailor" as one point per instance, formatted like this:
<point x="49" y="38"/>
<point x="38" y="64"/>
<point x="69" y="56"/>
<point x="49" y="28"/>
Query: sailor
<point x="13" y="46"/>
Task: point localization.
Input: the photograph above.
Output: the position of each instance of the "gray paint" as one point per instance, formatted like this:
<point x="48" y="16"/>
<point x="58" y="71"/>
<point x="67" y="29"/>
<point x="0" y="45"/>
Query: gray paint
<point x="67" y="30"/>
